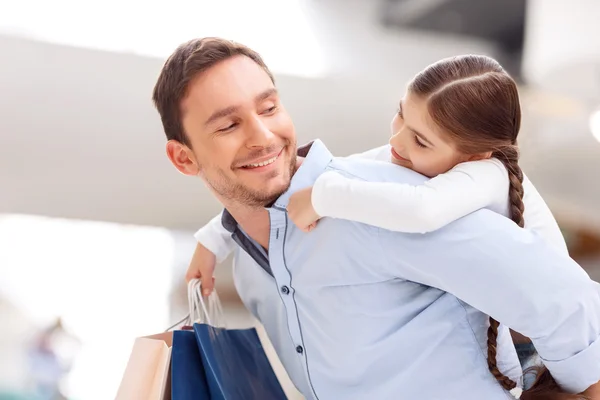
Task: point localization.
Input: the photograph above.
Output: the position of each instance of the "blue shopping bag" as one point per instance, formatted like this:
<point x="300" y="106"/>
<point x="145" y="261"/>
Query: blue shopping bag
<point x="188" y="381"/>
<point x="236" y="365"/>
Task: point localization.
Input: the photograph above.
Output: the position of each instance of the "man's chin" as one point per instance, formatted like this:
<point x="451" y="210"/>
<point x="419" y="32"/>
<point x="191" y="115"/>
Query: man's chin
<point x="272" y="182"/>
<point x="262" y="188"/>
<point x="270" y="193"/>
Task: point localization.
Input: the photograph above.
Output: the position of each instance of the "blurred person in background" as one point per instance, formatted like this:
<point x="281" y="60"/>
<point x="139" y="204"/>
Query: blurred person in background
<point x="50" y="359"/>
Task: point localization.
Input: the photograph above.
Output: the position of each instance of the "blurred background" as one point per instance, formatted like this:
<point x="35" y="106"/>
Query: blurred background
<point x="96" y="225"/>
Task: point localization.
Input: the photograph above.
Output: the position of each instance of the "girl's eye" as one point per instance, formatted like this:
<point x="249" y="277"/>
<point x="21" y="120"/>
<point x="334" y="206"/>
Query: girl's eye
<point x="419" y="143"/>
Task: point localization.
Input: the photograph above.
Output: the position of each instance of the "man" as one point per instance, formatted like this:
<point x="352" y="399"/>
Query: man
<point x="341" y="304"/>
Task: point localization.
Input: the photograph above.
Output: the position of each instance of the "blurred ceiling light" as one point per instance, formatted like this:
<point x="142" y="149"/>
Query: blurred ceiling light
<point x="595" y="124"/>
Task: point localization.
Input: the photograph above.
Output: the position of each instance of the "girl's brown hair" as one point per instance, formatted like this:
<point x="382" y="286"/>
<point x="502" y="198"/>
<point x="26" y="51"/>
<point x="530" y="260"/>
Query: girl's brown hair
<point x="475" y="102"/>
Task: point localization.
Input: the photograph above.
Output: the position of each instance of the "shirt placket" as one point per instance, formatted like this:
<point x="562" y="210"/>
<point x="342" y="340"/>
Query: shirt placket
<point x="284" y="280"/>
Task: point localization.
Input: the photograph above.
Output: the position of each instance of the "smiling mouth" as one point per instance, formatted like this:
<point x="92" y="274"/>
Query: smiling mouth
<point x="263" y="163"/>
<point x="398" y="156"/>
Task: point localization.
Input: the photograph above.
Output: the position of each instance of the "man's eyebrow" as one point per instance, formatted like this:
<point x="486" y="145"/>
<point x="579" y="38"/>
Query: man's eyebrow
<point x="266" y="94"/>
<point x="220" y="114"/>
<point x="230" y="110"/>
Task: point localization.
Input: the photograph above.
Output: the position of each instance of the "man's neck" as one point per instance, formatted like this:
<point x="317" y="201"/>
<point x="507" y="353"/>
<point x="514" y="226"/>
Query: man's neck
<point x="254" y="221"/>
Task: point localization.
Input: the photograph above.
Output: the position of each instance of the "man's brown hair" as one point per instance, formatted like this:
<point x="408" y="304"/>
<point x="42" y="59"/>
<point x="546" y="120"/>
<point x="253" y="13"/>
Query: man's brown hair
<point x="186" y="62"/>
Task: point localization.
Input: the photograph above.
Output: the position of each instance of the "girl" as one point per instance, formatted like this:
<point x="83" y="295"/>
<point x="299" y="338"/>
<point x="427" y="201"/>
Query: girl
<point x="457" y="124"/>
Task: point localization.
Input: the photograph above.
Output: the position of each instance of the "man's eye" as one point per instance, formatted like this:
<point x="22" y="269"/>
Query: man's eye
<point x="270" y="110"/>
<point x="228" y="128"/>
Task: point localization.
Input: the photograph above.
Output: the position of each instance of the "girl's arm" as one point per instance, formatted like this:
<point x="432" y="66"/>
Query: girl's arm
<point x="214" y="245"/>
<point x="414" y="209"/>
<point x="215" y="238"/>
<point x="539" y="218"/>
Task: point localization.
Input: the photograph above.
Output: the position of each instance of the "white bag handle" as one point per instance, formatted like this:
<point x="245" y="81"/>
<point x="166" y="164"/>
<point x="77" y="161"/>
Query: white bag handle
<point x="210" y="313"/>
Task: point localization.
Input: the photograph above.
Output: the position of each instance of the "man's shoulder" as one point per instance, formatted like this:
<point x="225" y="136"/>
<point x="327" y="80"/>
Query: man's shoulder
<point x="374" y="170"/>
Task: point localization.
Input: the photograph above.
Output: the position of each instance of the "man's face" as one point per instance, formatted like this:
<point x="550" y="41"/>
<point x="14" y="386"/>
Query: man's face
<point x="242" y="139"/>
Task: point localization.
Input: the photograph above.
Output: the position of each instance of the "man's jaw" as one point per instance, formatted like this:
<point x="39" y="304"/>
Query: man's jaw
<point x="248" y="197"/>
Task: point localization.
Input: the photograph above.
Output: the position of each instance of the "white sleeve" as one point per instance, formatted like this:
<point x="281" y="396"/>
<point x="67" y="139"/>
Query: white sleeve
<point x="539" y="218"/>
<point x="414" y="209"/>
<point x="216" y="238"/>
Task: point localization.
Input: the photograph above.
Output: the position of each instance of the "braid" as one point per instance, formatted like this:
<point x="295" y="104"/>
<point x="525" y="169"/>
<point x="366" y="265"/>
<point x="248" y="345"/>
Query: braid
<point x="545" y="387"/>
<point x="510" y="158"/>
<point x="492" y="341"/>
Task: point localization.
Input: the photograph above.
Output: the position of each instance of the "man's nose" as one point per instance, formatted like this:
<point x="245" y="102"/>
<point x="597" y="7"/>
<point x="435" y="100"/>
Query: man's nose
<point x="259" y="134"/>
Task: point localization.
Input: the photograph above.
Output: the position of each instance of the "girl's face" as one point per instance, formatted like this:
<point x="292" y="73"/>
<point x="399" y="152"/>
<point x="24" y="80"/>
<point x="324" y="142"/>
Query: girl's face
<point x="418" y="143"/>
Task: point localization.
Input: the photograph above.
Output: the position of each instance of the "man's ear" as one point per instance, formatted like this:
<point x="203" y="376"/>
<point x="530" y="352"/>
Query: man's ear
<point x="182" y="157"/>
<point x="480" y="156"/>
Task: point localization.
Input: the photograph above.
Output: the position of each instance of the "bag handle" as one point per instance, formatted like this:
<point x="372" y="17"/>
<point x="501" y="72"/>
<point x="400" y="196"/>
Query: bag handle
<point x="209" y="312"/>
<point x="196" y="306"/>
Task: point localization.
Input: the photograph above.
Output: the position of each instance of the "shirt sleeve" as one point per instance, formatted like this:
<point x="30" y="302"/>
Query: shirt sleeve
<point x="539" y="218"/>
<point x="216" y="238"/>
<point x="516" y="277"/>
<point x="412" y="208"/>
<point x="381" y="153"/>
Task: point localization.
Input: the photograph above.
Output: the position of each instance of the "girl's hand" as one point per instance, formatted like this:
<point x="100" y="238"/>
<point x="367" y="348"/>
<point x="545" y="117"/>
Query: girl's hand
<point x="301" y="211"/>
<point x="202" y="267"/>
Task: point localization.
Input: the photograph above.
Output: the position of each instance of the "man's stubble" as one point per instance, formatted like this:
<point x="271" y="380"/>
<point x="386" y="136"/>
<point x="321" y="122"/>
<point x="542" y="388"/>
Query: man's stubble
<point x="236" y="192"/>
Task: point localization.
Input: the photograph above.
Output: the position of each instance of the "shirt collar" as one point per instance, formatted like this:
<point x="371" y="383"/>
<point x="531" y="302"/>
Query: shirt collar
<point x="316" y="158"/>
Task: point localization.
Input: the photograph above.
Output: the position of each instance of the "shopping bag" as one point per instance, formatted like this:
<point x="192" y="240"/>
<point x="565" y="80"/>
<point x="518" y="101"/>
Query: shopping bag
<point x="236" y="365"/>
<point x="188" y="381"/>
<point x="166" y="366"/>
<point x="234" y="360"/>
<point x="146" y="376"/>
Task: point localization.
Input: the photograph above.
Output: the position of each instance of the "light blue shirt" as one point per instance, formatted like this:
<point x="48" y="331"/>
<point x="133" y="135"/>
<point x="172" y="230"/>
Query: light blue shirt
<point x="358" y="312"/>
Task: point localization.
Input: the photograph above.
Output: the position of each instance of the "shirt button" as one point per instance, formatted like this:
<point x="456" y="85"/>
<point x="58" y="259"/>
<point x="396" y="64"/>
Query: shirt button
<point x="299" y="349"/>
<point x="285" y="290"/>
